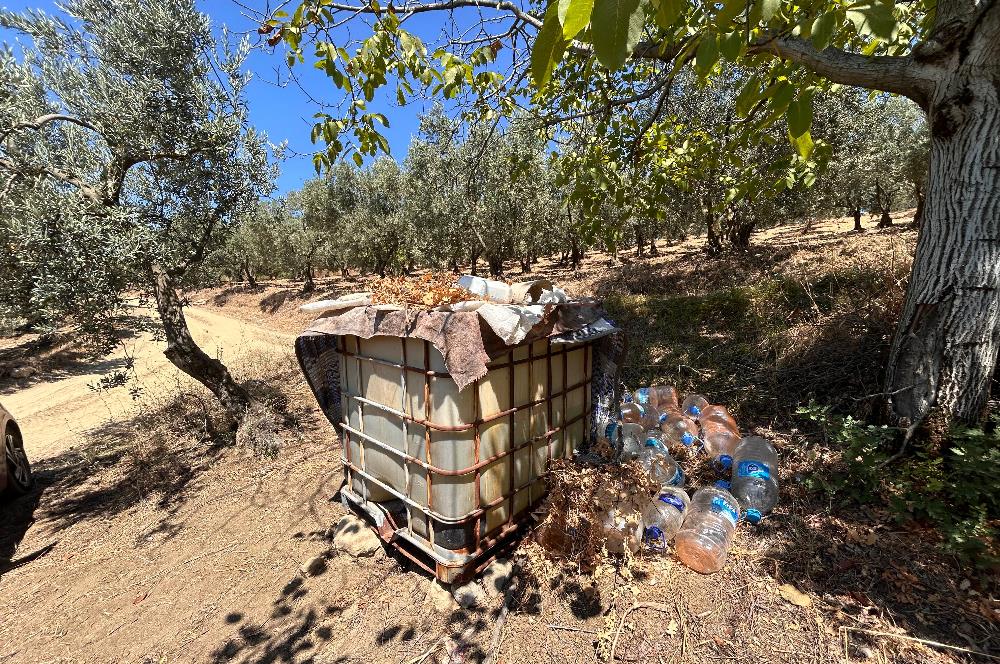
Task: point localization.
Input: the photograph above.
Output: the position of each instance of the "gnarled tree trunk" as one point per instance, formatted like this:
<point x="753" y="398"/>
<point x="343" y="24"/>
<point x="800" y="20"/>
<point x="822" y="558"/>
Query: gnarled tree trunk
<point x="186" y="355"/>
<point x="949" y="332"/>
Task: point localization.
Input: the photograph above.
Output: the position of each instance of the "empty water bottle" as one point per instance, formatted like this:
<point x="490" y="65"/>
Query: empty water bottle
<point x="661" y="468"/>
<point x="622" y="531"/>
<point x="755" y="477"/>
<point x="720" y="442"/>
<point x="718" y="414"/>
<point x="633" y="440"/>
<point x="632" y="412"/>
<point x="693" y="405"/>
<point x="704" y="539"/>
<point x="660" y="397"/>
<point x="680" y="430"/>
<point x="663" y="517"/>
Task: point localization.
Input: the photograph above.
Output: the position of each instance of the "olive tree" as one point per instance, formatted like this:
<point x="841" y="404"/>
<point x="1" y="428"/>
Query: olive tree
<point x="125" y="154"/>
<point x="587" y="56"/>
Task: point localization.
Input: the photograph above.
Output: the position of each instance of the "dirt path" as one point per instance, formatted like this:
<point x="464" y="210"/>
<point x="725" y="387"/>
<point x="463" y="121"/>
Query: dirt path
<point x="56" y="414"/>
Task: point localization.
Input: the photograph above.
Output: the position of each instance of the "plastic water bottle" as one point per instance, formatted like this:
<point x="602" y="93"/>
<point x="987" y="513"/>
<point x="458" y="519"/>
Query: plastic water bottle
<point x="720" y="414"/>
<point x="755" y="477"/>
<point x="720" y="442"/>
<point x="633" y="440"/>
<point x="632" y="412"/>
<point x="660" y="397"/>
<point x="680" y="430"/>
<point x="693" y="405"/>
<point x="661" y="468"/>
<point x="704" y="539"/>
<point x="663" y="517"/>
<point x="622" y="531"/>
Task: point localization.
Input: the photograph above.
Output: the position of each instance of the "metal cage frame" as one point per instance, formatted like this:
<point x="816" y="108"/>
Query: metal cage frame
<point x="451" y="564"/>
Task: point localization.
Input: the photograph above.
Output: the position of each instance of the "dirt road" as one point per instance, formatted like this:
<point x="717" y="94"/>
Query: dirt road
<point x="58" y="413"/>
<point x="95" y="567"/>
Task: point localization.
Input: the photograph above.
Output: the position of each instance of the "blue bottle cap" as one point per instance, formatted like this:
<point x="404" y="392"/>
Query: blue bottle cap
<point x="687" y="439"/>
<point x="723" y="484"/>
<point x="652" y="442"/>
<point x="694" y="410"/>
<point x="753" y="516"/>
<point x="726" y="461"/>
<point x="662" y="418"/>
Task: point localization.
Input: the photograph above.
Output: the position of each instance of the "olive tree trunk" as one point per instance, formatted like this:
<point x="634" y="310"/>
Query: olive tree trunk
<point x="945" y="348"/>
<point x="186" y="355"/>
<point x="946" y="344"/>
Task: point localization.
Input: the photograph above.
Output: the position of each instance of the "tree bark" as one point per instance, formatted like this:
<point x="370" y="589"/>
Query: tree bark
<point x="186" y="355"/>
<point x="945" y="348"/>
<point x="857" y="219"/>
<point x="248" y="271"/>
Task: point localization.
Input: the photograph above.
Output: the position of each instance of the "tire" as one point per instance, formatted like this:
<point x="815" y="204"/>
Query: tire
<point x="19" y="477"/>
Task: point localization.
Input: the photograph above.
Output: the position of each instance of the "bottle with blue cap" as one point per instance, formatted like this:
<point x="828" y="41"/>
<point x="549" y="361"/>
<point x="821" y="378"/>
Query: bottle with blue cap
<point x="680" y="430"/>
<point x="663" y="516"/>
<point x="693" y="405"/>
<point x="720" y="442"/>
<point x="661" y="468"/>
<point x="755" y="477"/>
<point x="660" y="397"/>
<point x="707" y="533"/>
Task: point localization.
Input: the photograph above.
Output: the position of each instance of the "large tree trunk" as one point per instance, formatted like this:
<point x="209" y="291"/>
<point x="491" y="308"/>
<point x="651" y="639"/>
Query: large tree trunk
<point x="946" y="344"/>
<point x="857" y="219"/>
<point x="187" y="356"/>
<point x="248" y="271"/>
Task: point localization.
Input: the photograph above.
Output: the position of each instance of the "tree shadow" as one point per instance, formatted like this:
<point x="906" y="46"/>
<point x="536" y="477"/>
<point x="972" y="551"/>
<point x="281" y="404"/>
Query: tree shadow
<point x="16" y="517"/>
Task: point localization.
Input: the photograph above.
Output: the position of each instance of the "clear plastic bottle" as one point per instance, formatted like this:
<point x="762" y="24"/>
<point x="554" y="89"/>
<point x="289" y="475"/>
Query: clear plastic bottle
<point x="755" y="477"/>
<point x="704" y="539"/>
<point x="622" y="531"/>
<point x="720" y="442"/>
<point x="680" y="430"/>
<point x="663" y="516"/>
<point x="633" y="440"/>
<point x="661" y="468"/>
<point x="720" y="414"/>
<point x="693" y="405"/>
<point x="632" y="412"/>
<point x="660" y="397"/>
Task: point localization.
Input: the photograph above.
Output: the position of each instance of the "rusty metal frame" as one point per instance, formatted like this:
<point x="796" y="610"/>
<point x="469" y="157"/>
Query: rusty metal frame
<point x="482" y="537"/>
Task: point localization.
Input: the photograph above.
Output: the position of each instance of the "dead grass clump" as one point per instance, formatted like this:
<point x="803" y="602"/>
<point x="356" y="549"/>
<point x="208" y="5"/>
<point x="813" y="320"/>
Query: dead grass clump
<point x="582" y="497"/>
<point x="260" y="430"/>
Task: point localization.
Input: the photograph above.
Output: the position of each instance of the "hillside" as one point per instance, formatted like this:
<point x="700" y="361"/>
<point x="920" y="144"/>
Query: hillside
<point x="150" y="540"/>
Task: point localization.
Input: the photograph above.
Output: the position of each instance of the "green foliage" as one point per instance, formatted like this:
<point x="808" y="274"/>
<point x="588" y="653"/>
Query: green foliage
<point x="119" y="153"/>
<point x="956" y="488"/>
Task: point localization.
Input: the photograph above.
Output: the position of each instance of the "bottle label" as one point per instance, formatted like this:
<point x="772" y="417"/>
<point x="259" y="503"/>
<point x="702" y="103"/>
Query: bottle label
<point x="720" y="506"/>
<point x="753" y="469"/>
<point x="642" y="396"/>
<point x="673" y="501"/>
<point x="678" y="478"/>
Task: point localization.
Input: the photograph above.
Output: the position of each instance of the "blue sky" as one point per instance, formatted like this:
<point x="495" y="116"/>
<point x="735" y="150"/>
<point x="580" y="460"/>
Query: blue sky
<point x="285" y="113"/>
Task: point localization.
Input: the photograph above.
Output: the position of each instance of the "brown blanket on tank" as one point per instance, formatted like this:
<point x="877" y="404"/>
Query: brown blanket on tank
<point x="463" y="339"/>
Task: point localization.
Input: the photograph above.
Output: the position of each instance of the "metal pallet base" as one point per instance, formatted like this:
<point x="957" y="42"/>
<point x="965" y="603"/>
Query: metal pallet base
<point x="449" y="567"/>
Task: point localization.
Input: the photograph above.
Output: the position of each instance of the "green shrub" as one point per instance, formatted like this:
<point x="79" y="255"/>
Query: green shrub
<point x="957" y="488"/>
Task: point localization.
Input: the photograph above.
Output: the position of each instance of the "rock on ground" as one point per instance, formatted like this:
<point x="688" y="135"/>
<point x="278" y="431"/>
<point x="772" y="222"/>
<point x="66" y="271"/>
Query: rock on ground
<point x="315" y="565"/>
<point x="470" y="595"/>
<point x="497" y="576"/>
<point x="439" y="597"/>
<point x="353" y="536"/>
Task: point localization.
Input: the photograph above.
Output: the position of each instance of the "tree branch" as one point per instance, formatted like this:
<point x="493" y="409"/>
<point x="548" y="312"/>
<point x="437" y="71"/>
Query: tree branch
<point x="898" y="74"/>
<point x="43" y="120"/>
<point x="88" y="191"/>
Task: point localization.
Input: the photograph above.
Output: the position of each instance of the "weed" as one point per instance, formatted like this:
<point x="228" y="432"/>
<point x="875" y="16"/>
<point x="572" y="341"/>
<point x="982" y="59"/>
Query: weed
<point x="956" y="487"/>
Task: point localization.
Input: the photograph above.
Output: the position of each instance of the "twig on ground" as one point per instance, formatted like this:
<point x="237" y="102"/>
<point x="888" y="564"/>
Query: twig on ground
<point x="427" y="653"/>
<point x="498" y="631"/>
<point x="926" y="642"/>
<point x="570" y="628"/>
<point x="656" y="606"/>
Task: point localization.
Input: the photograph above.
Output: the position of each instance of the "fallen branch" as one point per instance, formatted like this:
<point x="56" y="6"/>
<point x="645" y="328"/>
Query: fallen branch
<point x="656" y="606"/>
<point x="570" y="628"/>
<point x="926" y="642"/>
